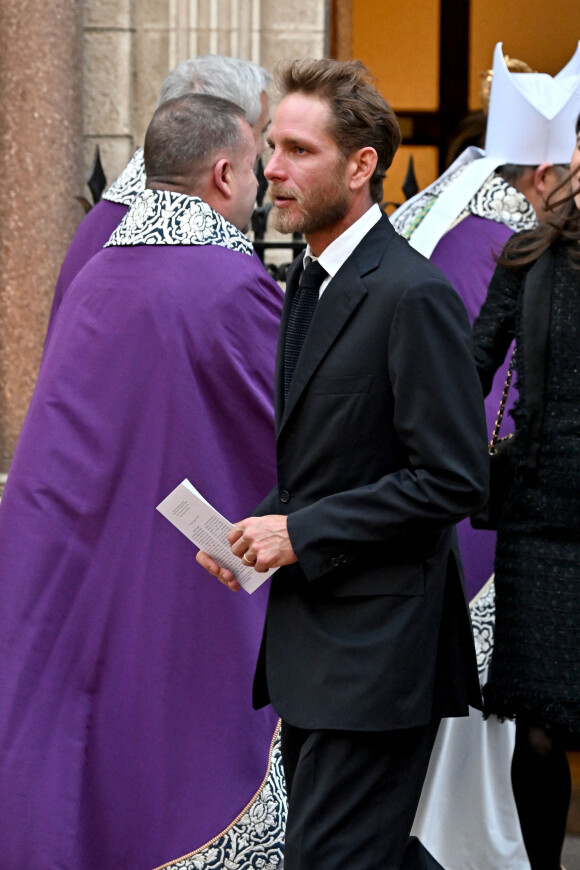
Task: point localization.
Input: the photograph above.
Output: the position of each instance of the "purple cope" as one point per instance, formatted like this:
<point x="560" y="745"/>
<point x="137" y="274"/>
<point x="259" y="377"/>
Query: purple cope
<point x="127" y="732"/>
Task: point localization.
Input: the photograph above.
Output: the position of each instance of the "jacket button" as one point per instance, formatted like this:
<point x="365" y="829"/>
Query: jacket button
<point x="335" y="562"/>
<point x="285" y="496"/>
<point x="343" y="560"/>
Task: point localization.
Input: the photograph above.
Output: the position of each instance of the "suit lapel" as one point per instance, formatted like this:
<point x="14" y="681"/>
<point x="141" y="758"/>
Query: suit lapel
<point x="334" y="309"/>
<point x="338" y="303"/>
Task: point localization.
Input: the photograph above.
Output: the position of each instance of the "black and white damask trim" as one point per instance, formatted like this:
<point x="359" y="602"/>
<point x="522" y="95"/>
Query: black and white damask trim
<point x="130" y="182"/>
<point x="162" y="217"/>
<point x="496" y="200"/>
<point x="255" y="840"/>
<point x="482" y="610"/>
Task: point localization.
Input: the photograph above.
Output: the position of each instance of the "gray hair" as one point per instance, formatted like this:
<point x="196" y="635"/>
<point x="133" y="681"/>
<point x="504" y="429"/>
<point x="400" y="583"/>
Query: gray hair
<point x="186" y="133"/>
<point x="240" y="81"/>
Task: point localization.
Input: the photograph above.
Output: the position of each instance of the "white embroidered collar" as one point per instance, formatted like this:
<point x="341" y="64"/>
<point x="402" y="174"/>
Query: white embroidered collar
<point x="410" y="218"/>
<point x="162" y="217"/>
<point x="130" y="182"/>
<point x="497" y="200"/>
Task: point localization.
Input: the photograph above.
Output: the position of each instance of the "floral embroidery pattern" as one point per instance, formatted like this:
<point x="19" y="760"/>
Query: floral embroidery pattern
<point x="496" y="200"/>
<point x="255" y="840"/>
<point x="407" y="222"/>
<point x="482" y="610"/>
<point x="130" y="182"/>
<point x="162" y="217"/>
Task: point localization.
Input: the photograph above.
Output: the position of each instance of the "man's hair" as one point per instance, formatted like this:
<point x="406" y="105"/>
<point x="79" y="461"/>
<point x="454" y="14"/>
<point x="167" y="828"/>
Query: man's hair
<point x="512" y="172"/>
<point x="185" y="133"/>
<point x="360" y="116"/>
<point x="240" y="81"/>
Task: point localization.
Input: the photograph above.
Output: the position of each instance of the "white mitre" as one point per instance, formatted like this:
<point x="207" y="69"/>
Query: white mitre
<point x="531" y="120"/>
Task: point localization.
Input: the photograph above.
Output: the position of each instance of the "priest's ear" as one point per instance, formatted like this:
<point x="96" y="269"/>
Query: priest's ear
<point x="222" y="177"/>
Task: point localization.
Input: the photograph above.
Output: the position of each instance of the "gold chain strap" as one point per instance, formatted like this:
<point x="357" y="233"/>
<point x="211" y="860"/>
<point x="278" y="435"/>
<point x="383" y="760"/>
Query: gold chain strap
<point x="504" y="395"/>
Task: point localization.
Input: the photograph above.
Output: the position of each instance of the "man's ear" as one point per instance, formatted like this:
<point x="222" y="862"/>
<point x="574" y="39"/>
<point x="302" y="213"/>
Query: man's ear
<point x="222" y="177"/>
<point x="361" y="166"/>
<point x="541" y="181"/>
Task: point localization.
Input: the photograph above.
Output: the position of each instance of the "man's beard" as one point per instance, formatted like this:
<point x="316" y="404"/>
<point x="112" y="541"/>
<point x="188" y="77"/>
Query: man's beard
<point x="314" y="214"/>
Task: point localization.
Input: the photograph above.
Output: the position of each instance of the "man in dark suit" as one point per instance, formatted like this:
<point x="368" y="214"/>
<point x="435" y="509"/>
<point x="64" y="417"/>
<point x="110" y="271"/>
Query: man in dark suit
<point x="381" y="448"/>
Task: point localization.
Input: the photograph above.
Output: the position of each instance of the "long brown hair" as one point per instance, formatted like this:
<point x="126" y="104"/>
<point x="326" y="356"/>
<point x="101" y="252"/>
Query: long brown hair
<point x="562" y="224"/>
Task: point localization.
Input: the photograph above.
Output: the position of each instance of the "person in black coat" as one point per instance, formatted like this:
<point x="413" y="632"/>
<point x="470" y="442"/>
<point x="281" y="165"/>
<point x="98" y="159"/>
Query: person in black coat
<point x="381" y="448"/>
<point x="534" y="677"/>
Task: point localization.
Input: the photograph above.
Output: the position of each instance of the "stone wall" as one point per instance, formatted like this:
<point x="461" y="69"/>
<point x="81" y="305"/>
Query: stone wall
<point x="131" y="45"/>
<point x="109" y="81"/>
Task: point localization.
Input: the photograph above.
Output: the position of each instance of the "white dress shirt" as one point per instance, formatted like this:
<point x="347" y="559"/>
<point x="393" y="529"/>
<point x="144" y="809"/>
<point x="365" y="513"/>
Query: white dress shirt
<point x="338" y="252"/>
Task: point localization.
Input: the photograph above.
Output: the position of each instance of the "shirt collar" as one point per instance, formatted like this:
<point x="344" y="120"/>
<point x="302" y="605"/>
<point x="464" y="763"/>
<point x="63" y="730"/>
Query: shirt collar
<point x="338" y="252"/>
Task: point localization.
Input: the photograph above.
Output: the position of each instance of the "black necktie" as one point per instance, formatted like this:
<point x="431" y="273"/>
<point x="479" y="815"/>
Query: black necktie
<point x="301" y="313"/>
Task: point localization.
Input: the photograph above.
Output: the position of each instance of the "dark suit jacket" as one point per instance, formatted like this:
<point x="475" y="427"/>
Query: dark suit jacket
<point x="382" y="447"/>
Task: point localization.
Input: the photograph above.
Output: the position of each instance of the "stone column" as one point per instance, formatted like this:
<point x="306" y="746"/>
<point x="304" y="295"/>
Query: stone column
<point x="300" y="32"/>
<point x="41" y="173"/>
<point x="169" y="31"/>
<point x="156" y="30"/>
<point x="109" y="83"/>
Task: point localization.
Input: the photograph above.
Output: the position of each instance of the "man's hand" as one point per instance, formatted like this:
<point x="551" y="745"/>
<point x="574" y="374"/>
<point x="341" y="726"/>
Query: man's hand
<point x="224" y="576"/>
<point x="262" y="542"/>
